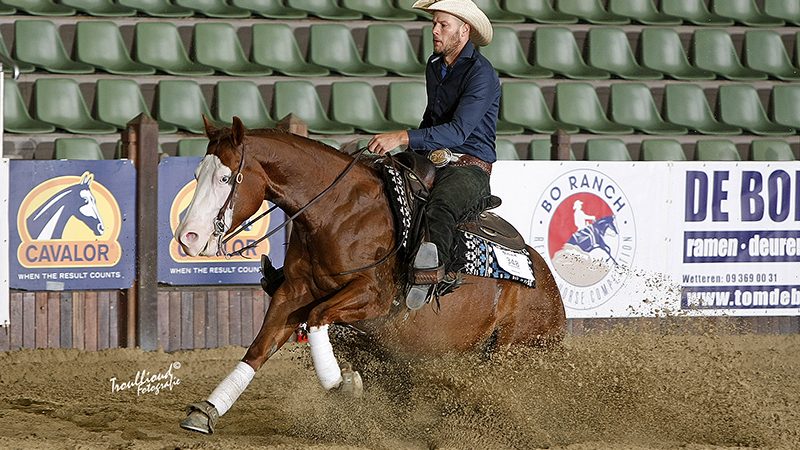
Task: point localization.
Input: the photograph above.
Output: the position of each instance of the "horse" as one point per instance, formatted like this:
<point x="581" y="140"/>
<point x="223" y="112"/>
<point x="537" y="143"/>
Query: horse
<point x="50" y="219"/>
<point x="340" y="267"/>
<point x="593" y="236"/>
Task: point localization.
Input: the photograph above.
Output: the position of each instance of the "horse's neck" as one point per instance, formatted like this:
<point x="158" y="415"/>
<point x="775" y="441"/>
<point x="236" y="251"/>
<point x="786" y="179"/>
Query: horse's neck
<point x="49" y="220"/>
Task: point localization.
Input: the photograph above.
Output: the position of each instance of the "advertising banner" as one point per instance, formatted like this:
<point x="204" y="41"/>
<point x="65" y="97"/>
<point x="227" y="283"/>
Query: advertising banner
<point x="5" y="311"/>
<point x="71" y="225"/>
<point x="175" y="191"/>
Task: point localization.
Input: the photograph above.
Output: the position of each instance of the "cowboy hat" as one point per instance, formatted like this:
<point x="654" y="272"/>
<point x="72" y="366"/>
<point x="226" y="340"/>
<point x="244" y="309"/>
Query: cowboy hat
<point x="481" y="29"/>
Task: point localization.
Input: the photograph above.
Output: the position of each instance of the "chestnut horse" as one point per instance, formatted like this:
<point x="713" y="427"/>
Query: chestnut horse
<point x="331" y="275"/>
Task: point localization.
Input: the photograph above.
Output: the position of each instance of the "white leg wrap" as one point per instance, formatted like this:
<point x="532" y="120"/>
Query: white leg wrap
<point x="325" y="364"/>
<point x="231" y="387"/>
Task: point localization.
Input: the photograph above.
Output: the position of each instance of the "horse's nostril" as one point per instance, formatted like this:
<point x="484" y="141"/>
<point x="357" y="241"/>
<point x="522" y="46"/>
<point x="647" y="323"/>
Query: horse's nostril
<point x="190" y="237"/>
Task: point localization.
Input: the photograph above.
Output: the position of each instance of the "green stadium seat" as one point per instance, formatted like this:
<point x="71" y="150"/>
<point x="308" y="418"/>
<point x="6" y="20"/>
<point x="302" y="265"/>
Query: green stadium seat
<point x="541" y="11"/>
<point x="405" y="5"/>
<point x="17" y="119"/>
<point x="300" y="98"/>
<point x="271" y="9"/>
<point x="577" y="104"/>
<point x="632" y="104"/>
<point x="192" y="147"/>
<point x="100" y="44"/>
<point x="157" y="8"/>
<point x="78" y="148"/>
<point x="100" y="8"/>
<point x="740" y="106"/>
<point x="771" y="150"/>
<point x="607" y="150"/>
<point x="788" y="10"/>
<point x="22" y="66"/>
<point x="354" y="103"/>
<point x="181" y="103"/>
<point x="557" y="50"/>
<point x="325" y="9"/>
<point x="714" y="51"/>
<point x="407" y="101"/>
<point x="506" y="55"/>
<point x="765" y="52"/>
<point x="496" y="14"/>
<point x="275" y="46"/>
<point x="59" y="102"/>
<point x="427" y="43"/>
<point x="591" y="11"/>
<point x="696" y="12"/>
<point x="159" y="45"/>
<point x="506" y="151"/>
<point x="786" y="105"/>
<point x="332" y="46"/>
<point x="662" y="50"/>
<point x="6" y="10"/>
<point x="215" y="8"/>
<point x="41" y="7"/>
<point x="541" y="150"/>
<point x="662" y="150"/>
<point x="609" y="50"/>
<point x="642" y="11"/>
<point x="379" y="9"/>
<point x="118" y="101"/>
<point x="216" y="45"/>
<point x="508" y="128"/>
<point x="717" y="150"/>
<point x="524" y="104"/>
<point x="389" y="47"/>
<point x="38" y="42"/>
<point x="745" y="12"/>
<point x="242" y="98"/>
<point x="687" y="106"/>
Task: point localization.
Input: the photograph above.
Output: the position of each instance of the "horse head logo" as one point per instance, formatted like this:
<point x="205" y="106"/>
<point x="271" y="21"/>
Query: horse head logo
<point x="592" y="236"/>
<point x="49" y="220"/>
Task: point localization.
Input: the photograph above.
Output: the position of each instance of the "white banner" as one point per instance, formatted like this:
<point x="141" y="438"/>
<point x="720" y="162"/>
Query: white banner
<point x="627" y="239"/>
<point x="4" y="294"/>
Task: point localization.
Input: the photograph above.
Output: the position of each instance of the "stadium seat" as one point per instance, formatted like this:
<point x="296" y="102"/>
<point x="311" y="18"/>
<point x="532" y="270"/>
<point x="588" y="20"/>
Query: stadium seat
<point x="216" y="45"/>
<point x="275" y="46"/>
<point x="609" y="50"/>
<point x="541" y="11"/>
<point x="157" y="8"/>
<point x="717" y="150"/>
<point x="745" y="12"/>
<point x="243" y="99"/>
<point x="100" y="44"/>
<point x="100" y="8"/>
<point x="542" y="150"/>
<point x="591" y="11"/>
<point x="16" y="117"/>
<point x="632" y="104"/>
<point x="405" y="5"/>
<point x="786" y="105"/>
<point x="407" y="101"/>
<point x="607" y="150"/>
<point x="354" y="103"/>
<point x="181" y="103"/>
<point x="379" y="9"/>
<point x="22" y="66"/>
<point x="687" y="106"/>
<point x="41" y="7"/>
<point x="496" y="14"/>
<point x="159" y="45"/>
<point x="788" y="10"/>
<point x="389" y="47"/>
<point x="506" y="55"/>
<point x="59" y="102"/>
<point x="332" y="46"/>
<point x="771" y="150"/>
<point x="578" y="104"/>
<point x="192" y="147"/>
<point x="523" y="104"/>
<point x="427" y="43"/>
<point x="215" y="8"/>
<point x="506" y="151"/>
<point x="696" y="12"/>
<point x="765" y="52"/>
<point x="38" y="42"/>
<point x="662" y="50"/>
<point x="300" y="98"/>
<point x="271" y="9"/>
<point x="118" y="101"/>
<point x="77" y="148"/>
<point x="714" y="51"/>
<point x="740" y="106"/>
<point x="6" y="10"/>
<point x="662" y="150"/>
<point x="325" y="9"/>
<point x="642" y="11"/>
<point x="557" y="50"/>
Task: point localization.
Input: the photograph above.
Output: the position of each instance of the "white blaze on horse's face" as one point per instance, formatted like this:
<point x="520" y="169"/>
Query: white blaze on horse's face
<point x="195" y="233"/>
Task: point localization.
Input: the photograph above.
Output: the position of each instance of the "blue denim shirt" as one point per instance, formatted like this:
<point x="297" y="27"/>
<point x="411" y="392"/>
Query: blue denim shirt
<point x="462" y="106"/>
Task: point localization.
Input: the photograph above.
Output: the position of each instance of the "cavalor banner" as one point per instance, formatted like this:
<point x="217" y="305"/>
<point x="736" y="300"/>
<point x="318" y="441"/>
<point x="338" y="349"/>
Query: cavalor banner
<point x="5" y="311"/>
<point x="72" y="225"/>
<point x="629" y="239"/>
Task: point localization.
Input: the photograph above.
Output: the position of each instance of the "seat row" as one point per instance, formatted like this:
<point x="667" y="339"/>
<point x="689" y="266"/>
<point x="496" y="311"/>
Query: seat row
<point x="355" y="105"/>
<point x="618" y="12"/>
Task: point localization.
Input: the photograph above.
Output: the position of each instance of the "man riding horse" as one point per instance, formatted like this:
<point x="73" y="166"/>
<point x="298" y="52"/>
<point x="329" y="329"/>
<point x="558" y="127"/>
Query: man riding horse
<point x="461" y="118"/>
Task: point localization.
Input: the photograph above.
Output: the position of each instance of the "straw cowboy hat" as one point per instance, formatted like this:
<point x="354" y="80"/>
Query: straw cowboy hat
<point x="481" y="29"/>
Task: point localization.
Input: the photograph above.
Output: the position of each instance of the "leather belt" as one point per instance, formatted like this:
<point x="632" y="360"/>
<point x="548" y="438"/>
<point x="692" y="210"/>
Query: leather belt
<point x="469" y="160"/>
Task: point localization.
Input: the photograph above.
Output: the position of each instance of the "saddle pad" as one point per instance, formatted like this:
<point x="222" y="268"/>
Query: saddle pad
<point x="483" y="258"/>
<point x="396" y="191"/>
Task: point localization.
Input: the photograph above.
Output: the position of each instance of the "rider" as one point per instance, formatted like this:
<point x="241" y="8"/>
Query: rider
<point x="582" y="220"/>
<point x="461" y="115"/>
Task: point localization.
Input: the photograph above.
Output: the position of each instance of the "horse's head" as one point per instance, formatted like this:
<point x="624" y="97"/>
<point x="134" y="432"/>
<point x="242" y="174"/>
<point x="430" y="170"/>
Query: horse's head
<point x="88" y="212"/>
<point x="607" y="223"/>
<point x="222" y="199"/>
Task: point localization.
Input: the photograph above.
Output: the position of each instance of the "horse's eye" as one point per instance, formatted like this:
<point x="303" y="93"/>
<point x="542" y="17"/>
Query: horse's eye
<point x="225" y="179"/>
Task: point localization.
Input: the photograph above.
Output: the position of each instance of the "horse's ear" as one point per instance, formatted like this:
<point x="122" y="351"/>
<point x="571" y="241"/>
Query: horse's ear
<point x="237" y="131"/>
<point x="211" y="130"/>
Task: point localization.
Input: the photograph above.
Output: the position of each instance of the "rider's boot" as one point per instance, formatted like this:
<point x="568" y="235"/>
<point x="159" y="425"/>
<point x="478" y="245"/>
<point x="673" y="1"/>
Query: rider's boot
<point x="426" y="274"/>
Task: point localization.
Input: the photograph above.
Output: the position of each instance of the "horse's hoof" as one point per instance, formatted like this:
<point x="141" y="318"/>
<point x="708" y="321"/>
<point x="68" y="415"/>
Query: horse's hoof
<point x="201" y="418"/>
<point x="351" y="385"/>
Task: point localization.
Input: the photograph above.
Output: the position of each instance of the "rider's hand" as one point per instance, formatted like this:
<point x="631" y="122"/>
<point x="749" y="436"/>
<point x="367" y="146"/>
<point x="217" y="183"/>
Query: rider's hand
<point x="382" y="143"/>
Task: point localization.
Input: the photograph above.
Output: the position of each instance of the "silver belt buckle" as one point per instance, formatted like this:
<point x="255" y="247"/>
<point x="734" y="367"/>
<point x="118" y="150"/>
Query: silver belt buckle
<point x="442" y="157"/>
